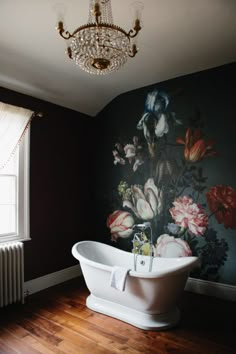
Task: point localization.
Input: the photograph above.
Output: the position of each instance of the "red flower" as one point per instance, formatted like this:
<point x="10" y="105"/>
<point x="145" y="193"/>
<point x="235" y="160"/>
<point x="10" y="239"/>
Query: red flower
<point x="222" y="202"/>
<point x="195" y="147"/>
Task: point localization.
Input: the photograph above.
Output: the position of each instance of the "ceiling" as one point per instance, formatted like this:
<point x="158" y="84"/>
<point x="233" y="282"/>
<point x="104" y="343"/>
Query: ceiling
<point x="178" y="37"/>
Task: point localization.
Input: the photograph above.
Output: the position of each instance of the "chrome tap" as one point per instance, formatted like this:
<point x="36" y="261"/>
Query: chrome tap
<point x="140" y="239"/>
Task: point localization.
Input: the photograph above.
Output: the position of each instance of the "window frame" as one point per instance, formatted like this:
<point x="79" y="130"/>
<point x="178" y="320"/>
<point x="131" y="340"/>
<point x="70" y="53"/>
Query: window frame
<point x="23" y="189"/>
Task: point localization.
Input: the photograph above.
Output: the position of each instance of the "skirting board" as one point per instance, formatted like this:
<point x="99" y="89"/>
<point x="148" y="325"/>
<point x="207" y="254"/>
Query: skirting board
<point x="209" y="288"/>
<point x="219" y="290"/>
<point x="46" y="281"/>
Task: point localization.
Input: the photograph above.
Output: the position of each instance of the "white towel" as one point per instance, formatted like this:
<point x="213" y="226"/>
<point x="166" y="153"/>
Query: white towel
<point x="118" y="278"/>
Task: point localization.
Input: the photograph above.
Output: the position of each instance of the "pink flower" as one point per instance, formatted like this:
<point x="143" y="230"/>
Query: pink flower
<point x="120" y="223"/>
<point x="189" y="215"/>
<point x="117" y="158"/>
<point x="130" y="152"/>
<point x="168" y="246"/>
<point x="145" y="205"/>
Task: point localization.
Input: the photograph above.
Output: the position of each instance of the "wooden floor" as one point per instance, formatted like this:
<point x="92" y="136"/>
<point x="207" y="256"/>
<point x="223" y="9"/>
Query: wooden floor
<point x="57" y="321"/>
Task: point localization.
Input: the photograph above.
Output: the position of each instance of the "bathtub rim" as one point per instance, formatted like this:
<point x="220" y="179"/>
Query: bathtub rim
<point x="193" y="262"/>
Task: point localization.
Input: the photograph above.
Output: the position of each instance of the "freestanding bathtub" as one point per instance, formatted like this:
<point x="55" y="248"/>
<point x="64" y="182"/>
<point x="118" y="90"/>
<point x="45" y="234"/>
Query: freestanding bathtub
<point x="149" y="299"/>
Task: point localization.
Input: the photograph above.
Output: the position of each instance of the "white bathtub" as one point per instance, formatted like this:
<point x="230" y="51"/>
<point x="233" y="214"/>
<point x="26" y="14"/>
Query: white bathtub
<point x="149" y="299"/>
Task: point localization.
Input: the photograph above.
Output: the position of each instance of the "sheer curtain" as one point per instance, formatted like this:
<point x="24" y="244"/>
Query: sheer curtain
<point x="14" y="122"/>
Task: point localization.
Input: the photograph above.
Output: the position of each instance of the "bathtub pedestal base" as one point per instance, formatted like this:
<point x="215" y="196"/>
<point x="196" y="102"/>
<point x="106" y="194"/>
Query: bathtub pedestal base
<point x="136" y="318"/>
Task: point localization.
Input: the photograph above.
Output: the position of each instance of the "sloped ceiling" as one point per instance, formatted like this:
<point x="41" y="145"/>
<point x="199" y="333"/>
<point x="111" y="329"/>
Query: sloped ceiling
<point x="178" y="37"/>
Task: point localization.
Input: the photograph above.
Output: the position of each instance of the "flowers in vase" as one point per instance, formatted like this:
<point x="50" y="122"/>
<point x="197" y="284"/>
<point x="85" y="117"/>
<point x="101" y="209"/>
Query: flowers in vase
<point x="170" y="188"/>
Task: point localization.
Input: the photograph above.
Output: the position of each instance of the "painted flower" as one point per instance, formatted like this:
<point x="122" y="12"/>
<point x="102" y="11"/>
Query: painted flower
<point x="130" y="152"/>
<point x="138" y="162"/>
<point x="119" y="147"/>
<point x="156" y="102"/>
<point x="120" y="224"/>
<point x="154" y="120"/>
<point x="189" y="215"/>
<point x="168" y="246"/>
<point x="195" y="147"/>
<point x="162" y="126"/>
<point x="222" y="202"/>
<point x="173" y="228"/>
<point x="118" y="158"/>
<point x="145" y="204"/>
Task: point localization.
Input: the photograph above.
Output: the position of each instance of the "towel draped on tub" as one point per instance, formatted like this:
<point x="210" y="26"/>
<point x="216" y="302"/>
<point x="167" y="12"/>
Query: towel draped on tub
<point x="118" y="277"/>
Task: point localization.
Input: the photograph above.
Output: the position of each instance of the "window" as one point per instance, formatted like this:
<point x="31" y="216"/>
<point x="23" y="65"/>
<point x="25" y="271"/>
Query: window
<point x="14" y="194"/>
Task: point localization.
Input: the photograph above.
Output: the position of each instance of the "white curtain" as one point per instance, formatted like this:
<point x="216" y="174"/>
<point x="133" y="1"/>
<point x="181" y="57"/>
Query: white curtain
<point x="14" y="122"/>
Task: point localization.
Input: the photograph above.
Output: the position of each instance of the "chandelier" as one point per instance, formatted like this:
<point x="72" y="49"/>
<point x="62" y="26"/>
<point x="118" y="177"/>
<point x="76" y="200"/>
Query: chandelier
<point x="100" y="47"/>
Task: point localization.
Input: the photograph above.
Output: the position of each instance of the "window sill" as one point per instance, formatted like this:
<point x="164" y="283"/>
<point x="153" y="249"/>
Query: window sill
<point x="10" y="240"/>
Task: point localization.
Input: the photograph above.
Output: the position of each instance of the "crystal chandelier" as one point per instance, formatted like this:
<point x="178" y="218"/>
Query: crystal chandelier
<point x="100" y="47"/>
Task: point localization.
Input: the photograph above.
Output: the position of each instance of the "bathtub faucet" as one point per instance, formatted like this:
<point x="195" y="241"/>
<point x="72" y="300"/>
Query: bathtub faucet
<point x="140" y="240"/>
<point x="142" y="228"/>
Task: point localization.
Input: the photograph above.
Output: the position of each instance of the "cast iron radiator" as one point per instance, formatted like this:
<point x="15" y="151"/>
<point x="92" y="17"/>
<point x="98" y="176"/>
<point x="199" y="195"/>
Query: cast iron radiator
<point x="11" y="273"/>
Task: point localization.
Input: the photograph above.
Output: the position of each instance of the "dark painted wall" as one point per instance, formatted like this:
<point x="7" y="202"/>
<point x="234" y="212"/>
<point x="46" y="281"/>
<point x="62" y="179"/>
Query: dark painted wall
<point x="60" y="187"/>
<point x="207" y="98"/>
<point x="73" y="185"/>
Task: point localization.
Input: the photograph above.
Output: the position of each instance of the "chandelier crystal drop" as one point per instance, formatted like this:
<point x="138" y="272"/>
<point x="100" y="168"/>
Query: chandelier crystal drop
<point x="100" y="47"/>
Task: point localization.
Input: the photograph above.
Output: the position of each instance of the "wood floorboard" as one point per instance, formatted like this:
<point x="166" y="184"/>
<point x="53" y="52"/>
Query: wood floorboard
<point x="4" y="348"/>
<point x="67" y="332"/>
<point x="15" y="343"/>
<point x="57" y="320"/>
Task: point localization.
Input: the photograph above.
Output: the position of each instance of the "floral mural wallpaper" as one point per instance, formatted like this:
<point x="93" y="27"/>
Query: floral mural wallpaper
<point x="163" y="180"/>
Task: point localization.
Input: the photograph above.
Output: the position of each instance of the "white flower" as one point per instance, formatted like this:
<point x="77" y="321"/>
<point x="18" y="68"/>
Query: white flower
<point x="154" y="120"/>
<point x="130" y="152"/>
<point x="145" y="205"/>
<point x="161" y="127"/>
<point x="138" y="162"/>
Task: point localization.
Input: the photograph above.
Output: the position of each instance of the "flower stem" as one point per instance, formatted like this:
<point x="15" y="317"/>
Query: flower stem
<point x="181" y="191"/>
<point x="178" y="178"/>
<point x="220" y="208"/>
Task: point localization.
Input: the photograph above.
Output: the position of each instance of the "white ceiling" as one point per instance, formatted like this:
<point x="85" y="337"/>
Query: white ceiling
<point x="178" y="37"/>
